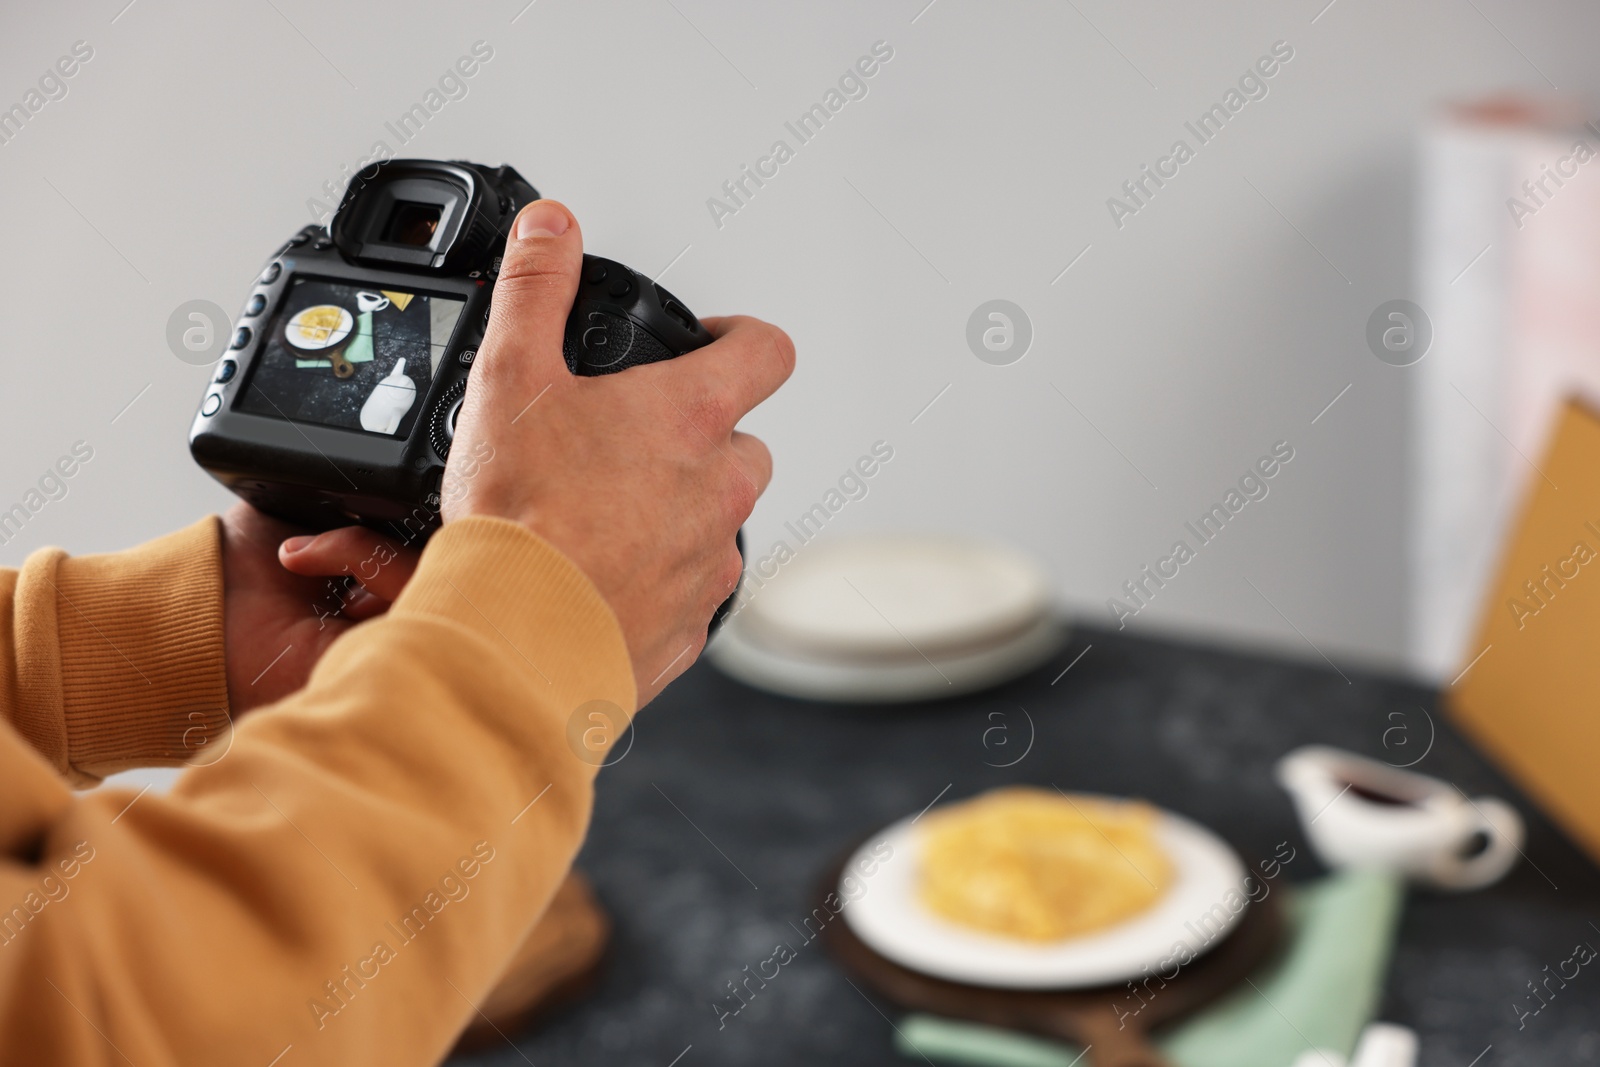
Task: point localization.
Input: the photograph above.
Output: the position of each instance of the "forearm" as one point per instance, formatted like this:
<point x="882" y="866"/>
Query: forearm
<point x="423" y="779"/>
<point x="115" y="661"/>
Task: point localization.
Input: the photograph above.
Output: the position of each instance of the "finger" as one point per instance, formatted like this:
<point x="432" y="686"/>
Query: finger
<point x="753" y="459"/>
<point x="746" y="363"/>
<point x="379" y="564"/>
<point x="532" y="296"/>
<point x="362" y="605"/>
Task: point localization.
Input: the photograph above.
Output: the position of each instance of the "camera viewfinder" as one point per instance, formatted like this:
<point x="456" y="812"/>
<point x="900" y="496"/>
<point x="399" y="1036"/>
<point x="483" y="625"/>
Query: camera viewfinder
<point x="412" y="223"/>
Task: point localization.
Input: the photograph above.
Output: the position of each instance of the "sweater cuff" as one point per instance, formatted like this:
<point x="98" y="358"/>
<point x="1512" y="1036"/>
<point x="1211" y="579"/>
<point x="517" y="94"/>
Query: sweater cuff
<point x="512" y="587"/>
<point x="140" y="639"/>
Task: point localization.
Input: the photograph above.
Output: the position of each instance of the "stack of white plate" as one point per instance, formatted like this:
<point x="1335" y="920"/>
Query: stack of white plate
<point x="884" y="619"/>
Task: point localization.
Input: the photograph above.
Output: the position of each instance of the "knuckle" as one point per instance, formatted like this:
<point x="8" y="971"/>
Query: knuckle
<point x="780" y="348"/>
<point x="740" y="497"/>
<point x="493" y="372"/>
<point x="358" y="539"/>
<point x="536" y="260"/>
<point x="729" y="574"/>
<point x="710" y="411"/>
<point x="766" y="343"/>
<point x="535" y="283"/>
<point x="697" y="645"/>
<point x="349" y="539"/>
<point x="761" y="455"/>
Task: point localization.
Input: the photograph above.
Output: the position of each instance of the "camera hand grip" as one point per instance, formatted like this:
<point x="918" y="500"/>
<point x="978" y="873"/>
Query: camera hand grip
<point x="621" y="319"/>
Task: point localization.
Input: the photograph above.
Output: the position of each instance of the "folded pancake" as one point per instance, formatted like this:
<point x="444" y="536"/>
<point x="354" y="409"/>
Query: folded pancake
<point x="317" y="324"/>
<point x="1038" y="865"/>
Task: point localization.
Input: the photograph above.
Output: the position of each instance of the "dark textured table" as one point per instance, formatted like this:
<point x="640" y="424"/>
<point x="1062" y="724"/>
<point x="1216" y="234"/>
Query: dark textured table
<point x="710" y="833"/>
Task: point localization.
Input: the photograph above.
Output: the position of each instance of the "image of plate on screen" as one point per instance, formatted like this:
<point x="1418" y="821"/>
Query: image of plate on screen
<point x="1035" y="889"/>
<point x="319" y="327"/>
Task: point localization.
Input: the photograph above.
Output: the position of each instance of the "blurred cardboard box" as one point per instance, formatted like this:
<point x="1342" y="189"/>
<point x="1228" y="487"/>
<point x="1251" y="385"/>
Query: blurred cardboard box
<point x="1531" y="698"/>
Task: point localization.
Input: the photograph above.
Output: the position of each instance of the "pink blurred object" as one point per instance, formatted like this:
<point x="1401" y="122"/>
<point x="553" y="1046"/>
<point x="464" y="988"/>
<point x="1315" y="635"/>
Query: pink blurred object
<point x="1508" y="269"/>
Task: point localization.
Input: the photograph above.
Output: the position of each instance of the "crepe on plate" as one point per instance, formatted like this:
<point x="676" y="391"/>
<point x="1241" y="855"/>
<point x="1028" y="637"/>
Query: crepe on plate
<point x="1039" y="865"/>
<point x="317" y="324"/>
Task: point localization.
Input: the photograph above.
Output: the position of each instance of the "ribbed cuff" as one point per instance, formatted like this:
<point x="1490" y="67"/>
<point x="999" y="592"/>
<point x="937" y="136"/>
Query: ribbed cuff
<point x="140" y="637"/>
<point x="502" y="580"/>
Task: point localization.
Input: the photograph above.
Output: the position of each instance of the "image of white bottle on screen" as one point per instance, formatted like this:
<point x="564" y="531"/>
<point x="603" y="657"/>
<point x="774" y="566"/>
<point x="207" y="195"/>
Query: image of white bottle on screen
<point x="390" y="400"/>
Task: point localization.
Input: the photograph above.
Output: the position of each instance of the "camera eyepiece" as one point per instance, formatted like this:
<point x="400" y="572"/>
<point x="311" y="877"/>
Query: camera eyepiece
<point x="412" y="223"/>
<point x="428" y="215"/>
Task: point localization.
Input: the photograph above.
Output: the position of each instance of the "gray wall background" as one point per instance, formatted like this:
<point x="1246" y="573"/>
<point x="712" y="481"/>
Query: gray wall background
<point x="1220" y="319"/>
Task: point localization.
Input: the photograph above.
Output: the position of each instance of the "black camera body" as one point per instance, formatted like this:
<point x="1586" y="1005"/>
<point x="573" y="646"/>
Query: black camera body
<point x="336" y="402"/>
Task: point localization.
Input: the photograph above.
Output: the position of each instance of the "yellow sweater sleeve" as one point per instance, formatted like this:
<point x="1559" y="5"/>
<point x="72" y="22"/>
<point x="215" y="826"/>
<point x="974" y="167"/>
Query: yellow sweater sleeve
<point x="116" y="661"/>
<point x="352" y="875"/>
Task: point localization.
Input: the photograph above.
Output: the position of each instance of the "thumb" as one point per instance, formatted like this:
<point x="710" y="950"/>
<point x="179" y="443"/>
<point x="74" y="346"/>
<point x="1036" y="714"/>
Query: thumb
<point x="534" y="292"/>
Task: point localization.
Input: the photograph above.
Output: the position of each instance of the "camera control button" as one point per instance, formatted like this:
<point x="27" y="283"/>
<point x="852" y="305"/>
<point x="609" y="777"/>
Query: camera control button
<point x="211" y="404"/>
<point x="621" y="286"/>
<point x="299" y="239"/>
<point x="225" y="372"/>
<point x="241" y="337"/>
<point x="257" y="305"/>
<point x="596" y="274"/>
<point x="271" y="274"/>
<point x="467" y="356"/>
<point x="322" y="244"/>
<point x="681" y="314"/>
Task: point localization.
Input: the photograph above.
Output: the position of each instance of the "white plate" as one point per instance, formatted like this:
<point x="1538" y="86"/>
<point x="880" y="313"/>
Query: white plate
<point x="815" y="678"/>
<point x="1195" y="912"/>
<point x="293" y="337"/>
<point x="896" y="598"/>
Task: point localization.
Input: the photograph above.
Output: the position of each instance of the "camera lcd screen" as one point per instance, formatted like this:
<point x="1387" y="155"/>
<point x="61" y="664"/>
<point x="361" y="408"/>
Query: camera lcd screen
<point x="350" y="357"/>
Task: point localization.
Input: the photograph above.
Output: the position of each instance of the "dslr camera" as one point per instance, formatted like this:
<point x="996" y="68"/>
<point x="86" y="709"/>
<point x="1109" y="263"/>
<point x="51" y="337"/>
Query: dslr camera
<point x="337" y="400"/>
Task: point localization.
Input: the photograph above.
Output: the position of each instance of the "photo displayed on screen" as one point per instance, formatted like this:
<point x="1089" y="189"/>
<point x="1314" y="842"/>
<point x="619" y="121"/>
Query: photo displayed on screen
<point x="351" y="357"/>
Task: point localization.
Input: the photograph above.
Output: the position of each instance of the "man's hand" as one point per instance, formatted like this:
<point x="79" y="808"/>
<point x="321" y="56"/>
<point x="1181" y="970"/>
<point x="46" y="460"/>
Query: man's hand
<point x="639" y="477"/>
<point x="285" y="598"/>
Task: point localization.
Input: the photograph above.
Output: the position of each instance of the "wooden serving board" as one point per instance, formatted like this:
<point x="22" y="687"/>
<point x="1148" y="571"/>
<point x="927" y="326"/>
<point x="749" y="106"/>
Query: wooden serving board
<point x="1112" y="1022"/>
